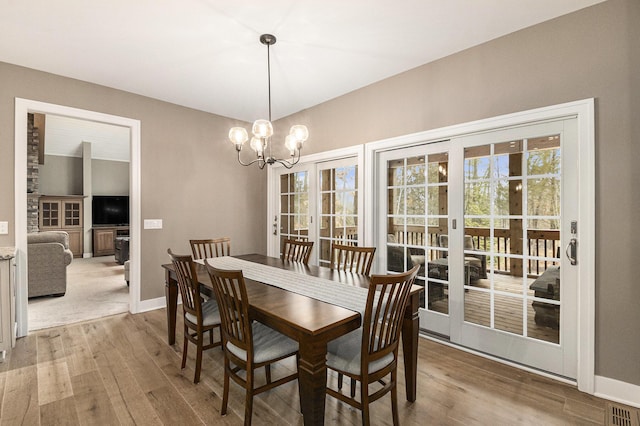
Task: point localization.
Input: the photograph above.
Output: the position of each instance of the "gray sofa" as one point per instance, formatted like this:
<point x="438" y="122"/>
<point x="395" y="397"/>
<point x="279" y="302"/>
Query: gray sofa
<point x="48" y="256"/>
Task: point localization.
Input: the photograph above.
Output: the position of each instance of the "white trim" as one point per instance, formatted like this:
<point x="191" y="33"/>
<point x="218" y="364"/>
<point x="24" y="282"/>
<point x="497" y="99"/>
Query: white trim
<point x="584" y="111"/>
<point x="153" y="304"/>
<point x="22" y="108"/>
<point x="615" y="390"/>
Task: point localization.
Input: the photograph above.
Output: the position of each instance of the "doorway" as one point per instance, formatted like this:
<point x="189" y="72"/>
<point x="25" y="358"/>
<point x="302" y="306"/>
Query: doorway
<point x="485" y="217"/>
<point x="22" y="108"/>
<point x="464" y="202"/>
<point x="317" y="200"/>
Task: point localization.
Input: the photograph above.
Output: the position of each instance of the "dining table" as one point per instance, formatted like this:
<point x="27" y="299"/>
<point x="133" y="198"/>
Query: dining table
<point x="311" y="321"/>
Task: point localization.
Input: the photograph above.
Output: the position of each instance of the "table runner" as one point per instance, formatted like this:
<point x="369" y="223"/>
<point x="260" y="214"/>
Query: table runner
<point x="335" y="293"/>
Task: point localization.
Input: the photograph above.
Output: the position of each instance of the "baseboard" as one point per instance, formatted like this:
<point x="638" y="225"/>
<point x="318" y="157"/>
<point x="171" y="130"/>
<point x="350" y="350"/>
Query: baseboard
<point x="615" y="390"/>
<point x="87" y="255"/>
<point x="152" y="304"/>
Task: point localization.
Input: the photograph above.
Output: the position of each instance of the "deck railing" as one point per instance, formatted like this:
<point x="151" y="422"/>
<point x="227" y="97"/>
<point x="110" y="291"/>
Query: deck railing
<point x="543" y="245"/>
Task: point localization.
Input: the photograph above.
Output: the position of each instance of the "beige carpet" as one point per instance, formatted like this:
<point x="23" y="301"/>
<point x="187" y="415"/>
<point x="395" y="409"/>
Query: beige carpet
<point x="95" y="288"/>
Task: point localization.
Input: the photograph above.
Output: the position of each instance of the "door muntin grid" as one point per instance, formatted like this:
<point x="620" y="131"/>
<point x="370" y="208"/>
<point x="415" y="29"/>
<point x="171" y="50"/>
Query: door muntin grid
<point x="294" y="206"/>
<point x="417" y="211"/>
<point x="512" y="219"/>
<point x="338" y="218"/>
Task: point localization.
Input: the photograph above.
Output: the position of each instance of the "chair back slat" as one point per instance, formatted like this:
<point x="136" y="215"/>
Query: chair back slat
<point x="187" y="283"/>
<point x="213" y="247"/>
<point x="231" y="293"/>
<point x="297" y="250"/>
<point x="386" y="302"/>
<point x="352" y="258"/>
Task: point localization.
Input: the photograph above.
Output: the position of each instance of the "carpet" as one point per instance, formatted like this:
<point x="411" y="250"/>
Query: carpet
<point x="95" y="288"/>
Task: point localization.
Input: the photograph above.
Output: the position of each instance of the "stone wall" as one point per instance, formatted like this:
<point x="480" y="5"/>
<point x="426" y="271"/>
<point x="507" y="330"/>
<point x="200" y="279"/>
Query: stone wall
<point x="33" y="194"/>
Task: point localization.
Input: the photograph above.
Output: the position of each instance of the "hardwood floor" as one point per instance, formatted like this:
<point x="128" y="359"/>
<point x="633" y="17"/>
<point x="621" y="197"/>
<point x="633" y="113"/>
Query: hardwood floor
<point x="119" y="370"/>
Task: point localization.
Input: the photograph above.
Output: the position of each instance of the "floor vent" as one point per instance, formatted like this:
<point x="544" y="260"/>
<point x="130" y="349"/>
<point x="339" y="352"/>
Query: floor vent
<point x="618" y="415"/>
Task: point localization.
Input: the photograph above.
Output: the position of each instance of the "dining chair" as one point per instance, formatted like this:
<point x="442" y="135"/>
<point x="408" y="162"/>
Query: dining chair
<point x="199" y="317"/>
<point x="216" y="247"/>
<point x="248" y="345"/>
<point x="369" y="354"/>
<point x="352" y="258"/>
<point x="297" y="251"/>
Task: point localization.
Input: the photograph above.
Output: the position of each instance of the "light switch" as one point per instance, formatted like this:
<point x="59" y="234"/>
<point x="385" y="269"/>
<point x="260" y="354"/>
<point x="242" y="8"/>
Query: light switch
<point x="153" y="224"/>
<point x="4" y="228"/>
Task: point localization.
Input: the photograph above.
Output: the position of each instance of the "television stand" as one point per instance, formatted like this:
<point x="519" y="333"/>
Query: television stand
<point x="104" y="239"/>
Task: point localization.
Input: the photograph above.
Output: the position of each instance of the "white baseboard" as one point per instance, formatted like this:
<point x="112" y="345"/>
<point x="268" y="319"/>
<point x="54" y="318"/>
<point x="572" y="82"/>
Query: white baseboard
<point x="87" y="255"/>
<point x="152" y="304"/>
<point x="615" y="390"/>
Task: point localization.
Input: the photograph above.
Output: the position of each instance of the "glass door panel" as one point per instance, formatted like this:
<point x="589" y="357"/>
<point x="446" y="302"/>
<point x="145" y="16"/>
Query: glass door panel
<point x="416" y="206"/>
<point x="338" y="198"/>
<point x="294" y="206"/>
<point x="518" y="195"/>
<point x="511" y="235"/>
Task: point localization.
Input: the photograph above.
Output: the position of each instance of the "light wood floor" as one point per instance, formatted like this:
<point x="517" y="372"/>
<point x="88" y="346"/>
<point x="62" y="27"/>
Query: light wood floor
<point x="119" y="370"/>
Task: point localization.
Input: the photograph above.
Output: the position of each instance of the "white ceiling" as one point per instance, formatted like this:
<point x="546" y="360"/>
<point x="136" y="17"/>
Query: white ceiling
<point x="205" y="54"/>
<point x="64" y="137"/>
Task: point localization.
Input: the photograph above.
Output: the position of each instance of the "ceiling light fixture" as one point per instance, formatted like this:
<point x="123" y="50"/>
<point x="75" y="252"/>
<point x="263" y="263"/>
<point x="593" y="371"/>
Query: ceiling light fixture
<point x="263" y="130"/>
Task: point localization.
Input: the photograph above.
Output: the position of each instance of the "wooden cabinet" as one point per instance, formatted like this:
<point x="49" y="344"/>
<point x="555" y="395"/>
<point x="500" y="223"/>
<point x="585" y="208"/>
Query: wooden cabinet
<point x="7" y="299"/>
<point x="64" y="213"/>
<point x="104" y="239"/>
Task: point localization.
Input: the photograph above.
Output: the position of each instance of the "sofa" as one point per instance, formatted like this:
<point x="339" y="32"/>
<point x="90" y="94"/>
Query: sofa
<point x="48" y="256"/>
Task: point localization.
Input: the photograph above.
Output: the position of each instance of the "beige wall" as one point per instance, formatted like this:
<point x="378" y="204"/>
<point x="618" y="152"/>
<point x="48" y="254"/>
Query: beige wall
<point x="591" y="53"/>
<point x="109" y="177"/>
<point x="60" y="175"/>
<point x="186" y="167"/>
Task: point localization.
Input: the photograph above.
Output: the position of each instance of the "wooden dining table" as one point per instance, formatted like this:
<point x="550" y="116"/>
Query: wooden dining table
<point x="312" y="323"/>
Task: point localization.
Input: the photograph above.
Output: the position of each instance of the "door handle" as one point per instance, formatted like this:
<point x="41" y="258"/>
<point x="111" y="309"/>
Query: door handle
<point x="572" y="251"/>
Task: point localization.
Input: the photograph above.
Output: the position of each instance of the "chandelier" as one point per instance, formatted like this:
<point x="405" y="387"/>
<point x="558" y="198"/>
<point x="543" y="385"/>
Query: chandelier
<point x="263" y="130"/>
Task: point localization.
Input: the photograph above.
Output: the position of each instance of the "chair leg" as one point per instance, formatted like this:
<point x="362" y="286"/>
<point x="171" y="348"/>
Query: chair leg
<point x="196" y="377"/>
<point x="267" y="371"/>
<point x="364" y="400"/>
<point x="184" y="349"/>
<point x="248" y="399"/>
<point x="394" y="399"/>
<point x="225" y="391"/>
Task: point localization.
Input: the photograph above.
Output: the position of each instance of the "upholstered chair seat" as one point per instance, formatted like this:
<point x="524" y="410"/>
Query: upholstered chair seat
<point x="343" y="354"/>
<point x="268" y="344"/>
<point x="210" y="313"/>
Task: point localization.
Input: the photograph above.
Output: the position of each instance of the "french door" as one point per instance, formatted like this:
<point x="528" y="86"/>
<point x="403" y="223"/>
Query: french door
<point x="491" y="220"/>
<point x="318" y="202"/>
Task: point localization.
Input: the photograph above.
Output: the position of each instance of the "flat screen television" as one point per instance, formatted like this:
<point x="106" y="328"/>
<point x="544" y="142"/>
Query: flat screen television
<point x="110" y="210"/>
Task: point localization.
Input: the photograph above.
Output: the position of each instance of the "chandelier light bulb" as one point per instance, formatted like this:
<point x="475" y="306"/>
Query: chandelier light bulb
<point x="262" y="129"/>
<point x="300" y="132"/>
<point x="256" y="145"/>
<point x="238" y="135"/>
<point x="291" y="142"/>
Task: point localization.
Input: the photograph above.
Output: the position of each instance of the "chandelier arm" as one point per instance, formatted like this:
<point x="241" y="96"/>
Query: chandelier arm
<point x="289" y="163"/>
<point x="257" y="160"/>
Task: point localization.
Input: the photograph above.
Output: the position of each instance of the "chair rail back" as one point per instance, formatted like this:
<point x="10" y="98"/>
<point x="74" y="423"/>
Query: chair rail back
<point x="212" y="247"/>
<point x="231" y="294"/>
<point x="386" y="302"/>
<point x="187" y="283"/>
<point x="297" y="250"/>
<point x="352" y="258"/>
